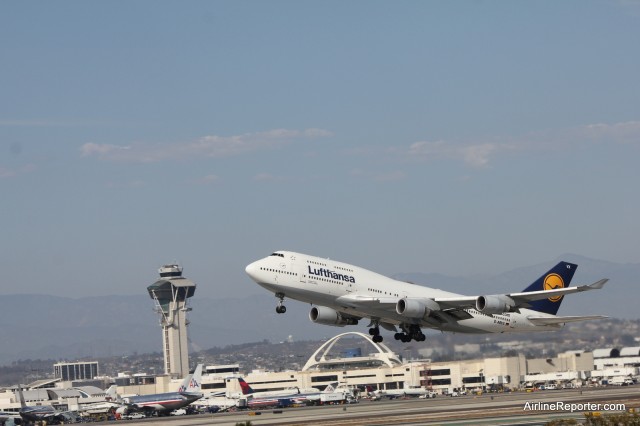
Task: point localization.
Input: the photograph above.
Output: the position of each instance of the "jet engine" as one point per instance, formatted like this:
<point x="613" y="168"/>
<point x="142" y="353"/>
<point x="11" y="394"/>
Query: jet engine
<point x="328" y="316"/>
<point x="495" y="304"/>
<point x="416" y="308"/>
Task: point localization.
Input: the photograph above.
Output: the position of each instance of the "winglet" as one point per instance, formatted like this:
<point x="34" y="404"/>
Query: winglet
<point x="598" y="284"/>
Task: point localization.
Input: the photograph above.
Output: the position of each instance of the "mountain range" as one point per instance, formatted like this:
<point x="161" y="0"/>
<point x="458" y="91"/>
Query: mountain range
<point x="53" y="327"/>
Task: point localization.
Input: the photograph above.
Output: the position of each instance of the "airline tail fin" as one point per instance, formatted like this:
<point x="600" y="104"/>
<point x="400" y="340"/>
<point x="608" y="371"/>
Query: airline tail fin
<point x="331" y="387"/>
<point x="22" y="402"/>
<point x="185" y="383"/>
<point x="246" y="389"/>
<point x="196" y="380"/>
<point x="112" y="394"/>
<point x="557" y="277"/>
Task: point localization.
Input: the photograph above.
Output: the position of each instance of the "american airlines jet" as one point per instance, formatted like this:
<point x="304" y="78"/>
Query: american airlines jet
<point x="343" y="294"/>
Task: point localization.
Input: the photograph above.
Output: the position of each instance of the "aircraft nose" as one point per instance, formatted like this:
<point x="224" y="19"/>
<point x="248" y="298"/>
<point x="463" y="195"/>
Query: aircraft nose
<point x="252" y="270"/>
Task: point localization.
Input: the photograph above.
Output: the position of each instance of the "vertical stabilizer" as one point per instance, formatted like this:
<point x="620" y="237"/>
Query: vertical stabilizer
<point x="557" y="277"/>
<point x="246" y="389"/>
<point x="185" y="383"/>
<point x="196" y="380"/>
<point x="331" y="387"/>
<point x="112" y="395"/>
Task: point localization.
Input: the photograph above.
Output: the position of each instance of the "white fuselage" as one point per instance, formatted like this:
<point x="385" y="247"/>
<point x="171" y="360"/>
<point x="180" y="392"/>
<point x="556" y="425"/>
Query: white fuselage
<point x="322" y="282"/>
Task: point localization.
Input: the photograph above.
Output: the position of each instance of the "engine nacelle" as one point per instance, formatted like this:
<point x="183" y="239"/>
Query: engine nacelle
<point x="328" y="316"/>
<point x="416" y="308"/>
<point x="495" y="304"/>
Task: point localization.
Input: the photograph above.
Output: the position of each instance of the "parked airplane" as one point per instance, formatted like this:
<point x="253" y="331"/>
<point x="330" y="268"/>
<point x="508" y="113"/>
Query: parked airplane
<point x="39" y="413"/>
<point x="397" y="393"/>
<point x="248" y="390"/>
<point x="8" y="418"/>
<point x="188" y="392"/>
<point x="110" y="403"/>
<point x="344" y="294"/>
<point x="284" y="397"/>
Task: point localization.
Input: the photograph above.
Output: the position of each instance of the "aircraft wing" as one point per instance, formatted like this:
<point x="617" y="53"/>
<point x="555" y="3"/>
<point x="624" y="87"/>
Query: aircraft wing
<point x="562" y="320"/>
<point x="521" y="299"/>
<point x="543" y="294"/>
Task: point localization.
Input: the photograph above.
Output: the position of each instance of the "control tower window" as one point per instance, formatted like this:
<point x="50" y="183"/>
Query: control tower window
<point x="277" y="254"/>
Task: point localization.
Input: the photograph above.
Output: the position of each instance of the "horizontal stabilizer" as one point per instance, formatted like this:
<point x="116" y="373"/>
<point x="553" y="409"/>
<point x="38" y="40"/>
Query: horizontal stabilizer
<point x="562" y="320"/>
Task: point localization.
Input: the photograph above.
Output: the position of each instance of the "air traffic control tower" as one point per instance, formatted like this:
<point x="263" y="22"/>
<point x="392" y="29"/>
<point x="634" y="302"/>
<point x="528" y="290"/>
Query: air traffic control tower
<point x="171" y="293"/>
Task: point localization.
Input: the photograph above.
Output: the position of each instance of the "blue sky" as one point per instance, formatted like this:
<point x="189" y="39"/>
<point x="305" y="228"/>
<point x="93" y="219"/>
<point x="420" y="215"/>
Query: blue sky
<point x="454" y="137"/>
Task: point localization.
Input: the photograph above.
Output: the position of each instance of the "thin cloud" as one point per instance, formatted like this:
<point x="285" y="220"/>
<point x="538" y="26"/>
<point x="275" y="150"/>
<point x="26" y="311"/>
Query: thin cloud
<point x="89" y="149"/>
<point x="393" y="176"/>
<point x="390" y="177"/>
<point x="50" y="123"/>
<point x="481" y="154"/>
<point x="478" y="155"/>
<point x="6" y="173"/>
<point x="267" y="177"/>
<point x="211" y="146"/>
<point x="208" y="180"/>
<point x="626" y="132"/>
<point x="130" y="184"/>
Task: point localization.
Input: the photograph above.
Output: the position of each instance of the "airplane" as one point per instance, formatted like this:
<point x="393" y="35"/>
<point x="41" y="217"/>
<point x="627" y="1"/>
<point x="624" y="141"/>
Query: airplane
<point x="111" y="402"/>
<point x="342" y="294"/>
<point x="8" y="418"/>
<point x="397" y="393"/>
<point x="248" y="390"/>
<point x="38" y="413"/>
<point x="284" y="397"/>
<point x="188" y="392"/>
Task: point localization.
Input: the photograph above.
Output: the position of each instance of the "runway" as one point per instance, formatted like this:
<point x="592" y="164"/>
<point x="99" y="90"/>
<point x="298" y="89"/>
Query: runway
<point x="487" y="409"/>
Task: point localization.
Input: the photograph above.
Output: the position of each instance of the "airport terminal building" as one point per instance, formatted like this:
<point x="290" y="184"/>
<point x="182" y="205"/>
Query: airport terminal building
<point x="381" y="369"/>
<point x="374" y="368"/>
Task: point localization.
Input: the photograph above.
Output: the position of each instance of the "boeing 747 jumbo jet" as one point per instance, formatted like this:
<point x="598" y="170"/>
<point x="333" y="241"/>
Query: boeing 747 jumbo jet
<point x="343" y="294"/>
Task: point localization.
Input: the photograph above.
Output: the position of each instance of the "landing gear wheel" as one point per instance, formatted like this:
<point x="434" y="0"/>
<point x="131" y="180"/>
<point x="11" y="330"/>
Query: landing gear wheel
<point x="374" y="331"/>
<point x="377" y="338"/>
<point x="281" y="309"/>
<point x="397" y="336"/>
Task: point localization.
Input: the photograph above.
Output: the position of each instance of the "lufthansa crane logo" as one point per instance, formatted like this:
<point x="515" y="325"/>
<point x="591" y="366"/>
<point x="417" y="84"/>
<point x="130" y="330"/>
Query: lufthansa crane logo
<point x="553" y="282"/>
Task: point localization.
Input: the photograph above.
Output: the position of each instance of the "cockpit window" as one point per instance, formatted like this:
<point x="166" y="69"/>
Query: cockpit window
<point x="277" y="254"/>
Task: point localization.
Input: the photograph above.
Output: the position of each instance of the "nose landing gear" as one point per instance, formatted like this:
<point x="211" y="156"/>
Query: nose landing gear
<point x="281" y="309"/>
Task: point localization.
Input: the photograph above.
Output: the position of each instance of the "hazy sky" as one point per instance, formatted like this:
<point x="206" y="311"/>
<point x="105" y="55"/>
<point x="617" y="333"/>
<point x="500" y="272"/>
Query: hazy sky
<point x="454" y="137"/>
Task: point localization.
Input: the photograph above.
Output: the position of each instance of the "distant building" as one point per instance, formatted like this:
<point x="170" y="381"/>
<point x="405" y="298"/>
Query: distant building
<point x="68" y="371"/>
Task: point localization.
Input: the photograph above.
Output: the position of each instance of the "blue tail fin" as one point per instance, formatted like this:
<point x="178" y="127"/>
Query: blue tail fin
<point x="557" y="277"/>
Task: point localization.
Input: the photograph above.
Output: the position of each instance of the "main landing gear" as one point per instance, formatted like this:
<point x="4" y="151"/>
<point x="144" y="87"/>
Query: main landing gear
<point x="411" y="332"/>
<point x="375" y="333"/>
<point x="281" y="309"/>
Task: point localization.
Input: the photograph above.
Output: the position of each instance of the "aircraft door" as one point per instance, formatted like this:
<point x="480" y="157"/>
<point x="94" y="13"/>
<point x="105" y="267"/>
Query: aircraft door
<point x="302" y="273"/>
